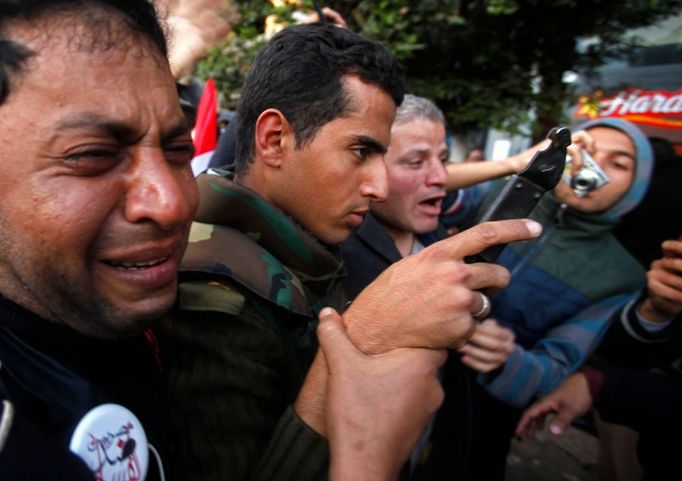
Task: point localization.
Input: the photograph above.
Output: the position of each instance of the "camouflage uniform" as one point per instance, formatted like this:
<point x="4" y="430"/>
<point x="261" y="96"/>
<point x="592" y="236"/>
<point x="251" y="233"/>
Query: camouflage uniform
<point x="241" y="339"/>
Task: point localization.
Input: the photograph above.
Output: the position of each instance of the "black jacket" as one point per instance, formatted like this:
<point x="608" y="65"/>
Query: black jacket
<point x="50" y="377"/>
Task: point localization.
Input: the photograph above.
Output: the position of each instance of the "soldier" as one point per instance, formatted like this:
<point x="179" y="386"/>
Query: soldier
<point x="313" y="125"/>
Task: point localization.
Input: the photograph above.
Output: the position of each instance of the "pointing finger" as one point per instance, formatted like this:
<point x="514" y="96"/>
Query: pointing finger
<point x="480" y="237"/>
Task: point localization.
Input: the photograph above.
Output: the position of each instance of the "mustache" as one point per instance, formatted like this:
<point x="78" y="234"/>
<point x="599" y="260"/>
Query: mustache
<point x="138" y="235"/>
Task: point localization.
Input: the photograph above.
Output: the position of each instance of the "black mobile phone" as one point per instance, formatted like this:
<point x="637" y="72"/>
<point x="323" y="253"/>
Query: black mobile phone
<point x="524" y="190"/>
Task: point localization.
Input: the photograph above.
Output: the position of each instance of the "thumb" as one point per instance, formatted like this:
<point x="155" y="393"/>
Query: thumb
<point x="333" y="338"/>
<point x="561" y="421"/>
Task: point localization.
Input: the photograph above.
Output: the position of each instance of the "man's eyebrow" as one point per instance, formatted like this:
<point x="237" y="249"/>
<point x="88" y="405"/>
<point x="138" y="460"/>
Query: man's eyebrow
<point x="425" y="150"/>
<point x="370" y="143"/>
<point x="92" y="121"/>
<point x="182" y="127"/>
<point x="121" y="131"/>
<point x="416" y="150"/>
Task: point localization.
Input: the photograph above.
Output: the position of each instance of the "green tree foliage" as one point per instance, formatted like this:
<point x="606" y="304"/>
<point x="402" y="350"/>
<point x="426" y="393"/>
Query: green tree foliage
<point x="484" y="62"/>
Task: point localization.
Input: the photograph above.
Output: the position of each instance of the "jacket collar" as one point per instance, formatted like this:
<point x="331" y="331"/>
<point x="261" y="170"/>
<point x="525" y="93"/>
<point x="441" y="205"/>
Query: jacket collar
<point x="373" y="234"/>
<point x="226" y="203"/>
<point x="241" y="237"/>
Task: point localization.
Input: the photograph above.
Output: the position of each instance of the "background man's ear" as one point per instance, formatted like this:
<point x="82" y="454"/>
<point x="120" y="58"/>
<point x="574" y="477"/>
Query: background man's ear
<point x="273" y="133"/>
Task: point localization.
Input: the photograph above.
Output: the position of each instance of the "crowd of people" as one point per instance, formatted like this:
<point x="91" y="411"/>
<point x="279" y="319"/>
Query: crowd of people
<point x="303" y="310"/>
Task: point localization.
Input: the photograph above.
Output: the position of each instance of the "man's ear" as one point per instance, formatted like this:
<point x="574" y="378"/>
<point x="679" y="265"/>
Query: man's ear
<point x="272" y="136"/>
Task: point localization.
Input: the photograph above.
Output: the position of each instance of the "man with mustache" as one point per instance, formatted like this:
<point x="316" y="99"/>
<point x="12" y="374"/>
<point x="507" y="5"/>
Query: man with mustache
<point x="96" y="201"/>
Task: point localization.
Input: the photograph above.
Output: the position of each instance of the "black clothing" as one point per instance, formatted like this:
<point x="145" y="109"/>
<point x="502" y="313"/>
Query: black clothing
<point x="642" y="388"/>
<point x="53" y="376"/>
<point x="223" y="157"/>
<point x="370" y="250"/>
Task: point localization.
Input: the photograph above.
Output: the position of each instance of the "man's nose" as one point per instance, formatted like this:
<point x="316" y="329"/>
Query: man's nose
<point x="437" y="174"/>
<point x="375" y="184"/>
<point x="159" y="192"/>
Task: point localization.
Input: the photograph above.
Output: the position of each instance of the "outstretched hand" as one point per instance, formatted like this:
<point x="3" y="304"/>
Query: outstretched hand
<point x="196" y="26"/>
<point x="377" y="405"/>
<point x="570" y="400"/>
<point x="664" y="284"/>
<point x="330" y="15"/>
<point x="426" y="299"/>
<point x="579" y="140"/>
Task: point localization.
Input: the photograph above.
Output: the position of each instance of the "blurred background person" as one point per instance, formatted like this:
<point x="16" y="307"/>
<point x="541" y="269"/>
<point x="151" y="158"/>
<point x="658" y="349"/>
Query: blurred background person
<point x="563" y="286"/>
<point x="474" y="155"/>
<point x="634" y="380"/>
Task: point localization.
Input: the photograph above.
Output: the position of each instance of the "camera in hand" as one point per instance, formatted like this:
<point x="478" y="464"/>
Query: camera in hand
<point x="590" y="177"/>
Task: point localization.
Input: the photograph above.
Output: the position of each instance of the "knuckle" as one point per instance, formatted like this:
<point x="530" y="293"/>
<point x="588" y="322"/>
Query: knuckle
<point x="486" y="232"/>
<point x="468" y="328"/>
<point x="459" y="332"/>
<point x="652" y="276"/>
<point x="458" y="273"/>
<point x="434" y="252"/>
<point x="467" y="298"/>
<point x="502" y="275"/>
<point x="324" y="329"/>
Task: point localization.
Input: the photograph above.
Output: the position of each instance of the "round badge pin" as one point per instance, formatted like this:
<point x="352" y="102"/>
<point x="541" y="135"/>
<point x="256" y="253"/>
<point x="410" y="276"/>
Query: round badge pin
<point x="112" y="442"/>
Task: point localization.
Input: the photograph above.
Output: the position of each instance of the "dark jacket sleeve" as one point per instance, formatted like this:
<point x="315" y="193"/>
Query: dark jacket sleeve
<point x="628" y="344"/>
<point x="642" y="400"/>
<point x="642" y="381"/>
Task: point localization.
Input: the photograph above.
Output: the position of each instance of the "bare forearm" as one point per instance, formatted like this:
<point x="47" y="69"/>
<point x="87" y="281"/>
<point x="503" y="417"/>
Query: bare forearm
<point x="466" y="174"/>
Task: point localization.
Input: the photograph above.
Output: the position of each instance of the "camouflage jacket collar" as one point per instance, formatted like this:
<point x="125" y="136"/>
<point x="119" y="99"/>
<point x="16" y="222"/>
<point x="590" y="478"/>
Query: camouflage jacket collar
<point x="240" y="236"/>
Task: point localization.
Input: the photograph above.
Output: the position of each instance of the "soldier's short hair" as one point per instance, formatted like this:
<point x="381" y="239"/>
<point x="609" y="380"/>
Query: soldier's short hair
<point x="299" y="72"/>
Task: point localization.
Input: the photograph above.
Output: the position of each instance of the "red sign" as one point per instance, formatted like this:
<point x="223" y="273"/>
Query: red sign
<point x="658" y="108"/>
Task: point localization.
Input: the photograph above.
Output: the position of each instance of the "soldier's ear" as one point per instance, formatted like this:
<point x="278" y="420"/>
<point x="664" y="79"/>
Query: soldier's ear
<point x="274" y="136"/>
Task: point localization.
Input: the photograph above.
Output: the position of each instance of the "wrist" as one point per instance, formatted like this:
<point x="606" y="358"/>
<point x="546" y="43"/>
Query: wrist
<point x="514" y="165"/>
<point x="648" y="312"/>
<point x="363" y="334"/>
<point x="349" y="461"/>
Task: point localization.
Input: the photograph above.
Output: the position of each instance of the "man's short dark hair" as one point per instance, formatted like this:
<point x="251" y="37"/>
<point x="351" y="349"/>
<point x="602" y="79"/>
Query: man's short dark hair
<point x="139" y="15"/>
<point x="299" y="72"/>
